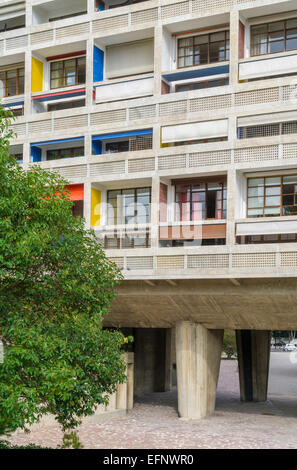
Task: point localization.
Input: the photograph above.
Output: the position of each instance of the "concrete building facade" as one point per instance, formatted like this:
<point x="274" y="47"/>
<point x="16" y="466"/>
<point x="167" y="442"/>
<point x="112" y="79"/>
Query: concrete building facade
<point x="175" y="122"/>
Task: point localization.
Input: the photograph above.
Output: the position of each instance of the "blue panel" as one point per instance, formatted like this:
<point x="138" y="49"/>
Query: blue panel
<point x="97" y="147"/>
<point x="188" y="74"/>
<point x="61" y="141"/>
<point x="98" y="64"/>
<point x="8" y="105"/>
<point x="35" y="154"/>
<point x="122" y="134"/>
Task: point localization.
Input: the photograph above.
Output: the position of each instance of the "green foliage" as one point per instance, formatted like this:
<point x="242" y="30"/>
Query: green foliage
<point x="229" y="344"/>
<point x="56" y="284"/>
<point x="7" y="445"/>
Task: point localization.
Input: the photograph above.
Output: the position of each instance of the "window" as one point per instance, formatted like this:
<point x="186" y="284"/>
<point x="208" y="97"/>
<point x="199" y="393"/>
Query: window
<point x="131" y="144"/>
<point x="117" y="242"/>
<point x="129" y="206"/>
<point x="272" y="196"/>
<point x="203" y="49"/>
<point x="200" y="141"/>
<point x="195" y="242"/>
<point x="78" y="209"/>
<point x="202" y="85"/>
<point x="273" y="238"/>
<point x="68" y="72"/>
<point x="12" y="82"/>
<point x="270" y="38"/>
<point x="201" y="200"/>
<point x="56" y="154"/>
<point x="66" y="105"/>
<point x="267" y="130"/>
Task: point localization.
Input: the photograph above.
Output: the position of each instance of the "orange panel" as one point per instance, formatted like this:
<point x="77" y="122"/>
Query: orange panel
<point x="76" y="191"/>
<point x="192" y="232"/>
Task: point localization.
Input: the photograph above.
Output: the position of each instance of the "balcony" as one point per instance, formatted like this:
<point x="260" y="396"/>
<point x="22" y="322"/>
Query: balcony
<point x="51" y="150"/>
<point x="267" y="231"/>
<point x="57" y="10"/>
<point x="268" y="66"/>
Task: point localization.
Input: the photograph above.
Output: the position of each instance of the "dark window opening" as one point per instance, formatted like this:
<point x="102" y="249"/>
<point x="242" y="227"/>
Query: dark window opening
<point x="272" y="238"/>
<point x="56" y="154"/>
<point x="195" y="242"/>
<point x="66" y="105"/>
<point x="78" y="209"/>
<point x="202" y="85"/>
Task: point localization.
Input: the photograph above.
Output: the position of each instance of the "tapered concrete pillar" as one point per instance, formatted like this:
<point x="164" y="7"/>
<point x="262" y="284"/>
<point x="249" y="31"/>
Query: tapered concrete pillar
<point x="253" y="350"/>
<point x="198" y="357"/>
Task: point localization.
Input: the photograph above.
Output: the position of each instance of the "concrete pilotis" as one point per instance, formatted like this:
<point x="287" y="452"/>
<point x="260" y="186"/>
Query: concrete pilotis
<point x="198" y="356"/>
<point x="253" y="348"/>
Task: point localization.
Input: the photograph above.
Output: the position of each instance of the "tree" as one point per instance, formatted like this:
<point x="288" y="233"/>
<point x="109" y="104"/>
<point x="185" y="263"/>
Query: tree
<point x="229" y="344"/>
<point x="56" y="285"/>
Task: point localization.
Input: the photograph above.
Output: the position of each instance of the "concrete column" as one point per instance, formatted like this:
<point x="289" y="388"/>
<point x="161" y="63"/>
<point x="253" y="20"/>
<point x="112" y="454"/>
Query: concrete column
<point x="253" y="349"/>
<point x="198" y="357"/>
<point x="150" y="361"/>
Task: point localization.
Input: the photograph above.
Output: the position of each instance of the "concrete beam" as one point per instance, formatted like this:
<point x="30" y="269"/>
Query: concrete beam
<point x="198" y="356"/>
<point x="253" y="349"/>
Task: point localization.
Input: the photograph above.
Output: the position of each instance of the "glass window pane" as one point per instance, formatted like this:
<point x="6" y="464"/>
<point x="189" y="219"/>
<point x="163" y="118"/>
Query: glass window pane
<point x="276" y="46"/>
<point x="271" y="211"/>
<point x="288" y="200"/>
<point x="261" y="28"/>
<point x="255" y="202"/>
<point x="275" y="180"/>
<point x="272" y="191"/>
<point x="201" y="39"/>
<point x="256" y="182"/>
<point x="272" y="201"/>
<point x="291" y="23"/>
<point x="255" y="212"/>
<point x="291" y="44"/>
<point x="279" y="25"/>
<point x="290" y="179"/>
<point x="258" y="191"/>
<point x="217" y="36"/>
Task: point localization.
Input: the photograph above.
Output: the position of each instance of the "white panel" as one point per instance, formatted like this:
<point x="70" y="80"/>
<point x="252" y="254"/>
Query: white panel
<point x="266" y="118"/>
<point x="130" y="58"/>
<point x="266" y="228"/>
<point x="195" y="131"/>
<point x="268" y="67"/>
<point x="123" y="90"/>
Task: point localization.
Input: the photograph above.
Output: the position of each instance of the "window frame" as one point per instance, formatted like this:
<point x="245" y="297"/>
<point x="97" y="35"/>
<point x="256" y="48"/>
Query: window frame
<point x="264" y="206"/>
<point x="17" y="78"/>
<point x="285" y="38"/>
<point x="222" y="182"/>
<point x="123" y="215"/>
<point x="71" y="150"/>
<point x="64" y="69"/>
<point x="208" y="34"/>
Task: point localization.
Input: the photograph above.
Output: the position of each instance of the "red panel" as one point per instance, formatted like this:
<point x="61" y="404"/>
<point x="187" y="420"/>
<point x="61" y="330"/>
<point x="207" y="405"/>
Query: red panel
<point x="163" y="202"/>
<point x="241" y="41"/>
<point x="76" y="192"/>
<point x="65" y="56"/>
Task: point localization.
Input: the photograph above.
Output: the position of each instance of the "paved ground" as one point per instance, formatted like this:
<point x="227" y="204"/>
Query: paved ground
<point x="153" y="423"/>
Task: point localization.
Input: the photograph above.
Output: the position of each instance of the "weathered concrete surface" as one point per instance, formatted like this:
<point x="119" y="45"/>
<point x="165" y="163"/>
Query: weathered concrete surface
<point x="198" y="356"/>
<point x="260" y="304"/>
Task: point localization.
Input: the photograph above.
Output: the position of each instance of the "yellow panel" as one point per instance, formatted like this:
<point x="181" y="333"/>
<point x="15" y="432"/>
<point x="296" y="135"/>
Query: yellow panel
<point x="37" y="75"/>
<point x="95" y="207"/>
<point x="162" y="145"/>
